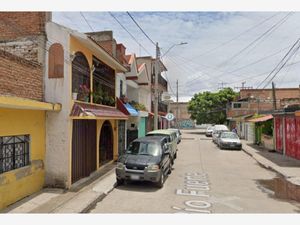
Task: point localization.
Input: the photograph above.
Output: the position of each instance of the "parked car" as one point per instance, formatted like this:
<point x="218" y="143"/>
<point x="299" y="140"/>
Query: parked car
<point x="218" y="129"/>
<point x="229" y="140"/>
<point x="178" y="134"/>
<point x="209" y="131"/>
<point x="172" y="140"/>
<point x="146" y="159"/>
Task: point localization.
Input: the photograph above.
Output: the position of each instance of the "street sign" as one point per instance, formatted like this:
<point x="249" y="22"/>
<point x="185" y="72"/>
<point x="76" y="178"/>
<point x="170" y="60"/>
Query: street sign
<point x="170" y="116"/>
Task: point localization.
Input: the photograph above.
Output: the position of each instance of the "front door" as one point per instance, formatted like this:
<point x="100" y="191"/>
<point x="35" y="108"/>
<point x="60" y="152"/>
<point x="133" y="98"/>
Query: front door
<point x="106" y="143"/>
<point x="83" y="148"/>
<point x="122" y="137"/>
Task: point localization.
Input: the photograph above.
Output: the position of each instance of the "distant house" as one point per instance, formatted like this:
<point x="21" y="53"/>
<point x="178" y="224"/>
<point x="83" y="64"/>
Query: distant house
<point x="183" y="119"/>
<point x="257" y="102"/>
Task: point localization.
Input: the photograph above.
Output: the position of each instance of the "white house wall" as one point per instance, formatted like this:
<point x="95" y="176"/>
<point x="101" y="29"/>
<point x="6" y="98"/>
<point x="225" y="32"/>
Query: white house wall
<point x="145" y="97"/>
<point x="58" y="125"/>
<point x="121" y="77"/>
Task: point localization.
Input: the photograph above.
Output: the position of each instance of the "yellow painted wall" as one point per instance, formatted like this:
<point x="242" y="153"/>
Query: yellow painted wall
<point x="19" y="183"/>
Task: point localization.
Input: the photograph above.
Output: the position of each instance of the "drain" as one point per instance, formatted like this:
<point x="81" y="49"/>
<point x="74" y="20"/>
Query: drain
<point x="187" y="138"/>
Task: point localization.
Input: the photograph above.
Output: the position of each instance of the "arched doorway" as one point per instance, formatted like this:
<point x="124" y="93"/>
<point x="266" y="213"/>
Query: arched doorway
<point x="106" y="143"/>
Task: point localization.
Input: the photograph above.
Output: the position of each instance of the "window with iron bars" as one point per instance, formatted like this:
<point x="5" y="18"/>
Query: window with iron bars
<point x="14" y="152"/>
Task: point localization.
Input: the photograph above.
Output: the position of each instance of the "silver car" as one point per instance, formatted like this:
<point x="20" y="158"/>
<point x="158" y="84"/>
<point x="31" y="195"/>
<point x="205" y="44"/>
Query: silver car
<point x="209" y="131"/>
<point x="178" y="134"/>
<point x="229" y="140"/>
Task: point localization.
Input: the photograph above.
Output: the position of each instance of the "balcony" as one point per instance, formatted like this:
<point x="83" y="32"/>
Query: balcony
<point x="161" y="82"/>
<point x="161" y="107"/>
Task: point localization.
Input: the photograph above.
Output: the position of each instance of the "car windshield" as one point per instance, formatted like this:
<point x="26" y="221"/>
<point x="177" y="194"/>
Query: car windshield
<point x="144" y="148"/>
<point x="229" y="136"/>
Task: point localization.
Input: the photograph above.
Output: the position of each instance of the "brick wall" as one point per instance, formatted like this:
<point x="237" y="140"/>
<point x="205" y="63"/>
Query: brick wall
<point x="14" y="25"/>
<point x="20" y="77"/>
<point x="24" y="47"/>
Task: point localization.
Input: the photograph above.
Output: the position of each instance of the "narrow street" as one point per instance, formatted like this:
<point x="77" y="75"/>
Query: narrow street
<point x="227" y="182"/>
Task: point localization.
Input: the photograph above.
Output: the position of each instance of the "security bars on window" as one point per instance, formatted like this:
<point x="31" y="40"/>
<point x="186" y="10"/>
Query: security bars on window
<point x="14" y="152"/>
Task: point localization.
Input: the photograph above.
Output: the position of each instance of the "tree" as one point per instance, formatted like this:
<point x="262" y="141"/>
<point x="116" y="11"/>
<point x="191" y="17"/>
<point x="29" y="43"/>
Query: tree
<point x="208" y="107"/>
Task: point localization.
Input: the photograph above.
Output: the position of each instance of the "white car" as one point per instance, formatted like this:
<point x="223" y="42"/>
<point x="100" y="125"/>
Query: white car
<point x="229" y="140"/>
<point x="209" y="131"/>
<point x="217" y="130"/>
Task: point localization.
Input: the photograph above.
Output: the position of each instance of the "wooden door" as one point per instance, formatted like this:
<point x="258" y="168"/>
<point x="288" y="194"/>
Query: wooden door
<point x="83" y="148"/>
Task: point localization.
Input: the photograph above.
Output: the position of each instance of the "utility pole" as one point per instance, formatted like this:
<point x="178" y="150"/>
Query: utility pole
<point x="274" y="96"/>
<point x="177" y="103"/>
<point x="157" y="69"/>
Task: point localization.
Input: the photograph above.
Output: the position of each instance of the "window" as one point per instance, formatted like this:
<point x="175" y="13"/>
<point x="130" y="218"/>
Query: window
<point x="80" y="72"/>
<point x="121" y="88"/>
<point x="14" y="152"/>
<point x="56" y="61"/>
<point x="236" y="105"/>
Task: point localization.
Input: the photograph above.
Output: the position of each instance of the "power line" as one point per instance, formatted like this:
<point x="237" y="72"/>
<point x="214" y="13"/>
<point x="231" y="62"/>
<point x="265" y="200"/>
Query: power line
<point x="271" y="29"/>
<point x="278" y="63"/>
<point x="234" y="38"/>
<point x="282" y="65"/>
<point x="129" y="32"/>
<point x="141" y="28"/>
<point x="86" y="21"/>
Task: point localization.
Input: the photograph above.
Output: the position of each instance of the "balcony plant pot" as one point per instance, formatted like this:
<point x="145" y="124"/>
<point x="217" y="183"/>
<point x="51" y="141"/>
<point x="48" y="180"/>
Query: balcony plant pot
<point x="74" y="95"/>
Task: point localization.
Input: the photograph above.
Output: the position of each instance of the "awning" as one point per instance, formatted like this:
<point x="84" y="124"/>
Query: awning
<point x="25" y="103"/>
<point x="261" y="119"/>
<point x="127" y="109"/>
<point x="88" y="111"/>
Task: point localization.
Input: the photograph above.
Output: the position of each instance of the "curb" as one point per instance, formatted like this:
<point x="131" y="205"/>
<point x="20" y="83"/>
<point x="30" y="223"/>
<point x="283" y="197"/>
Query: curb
<point x="93" y="204"/>
<point x="270" y="167"/>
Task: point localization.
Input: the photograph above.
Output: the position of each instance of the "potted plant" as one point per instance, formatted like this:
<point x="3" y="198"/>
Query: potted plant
<point x="74" y="94"/>
<point x="84" y="93"/>
<point x="98" y="95"/>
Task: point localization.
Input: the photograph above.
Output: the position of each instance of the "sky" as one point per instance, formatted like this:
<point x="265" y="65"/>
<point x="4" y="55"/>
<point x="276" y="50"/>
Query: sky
<point x="223" y="48"/>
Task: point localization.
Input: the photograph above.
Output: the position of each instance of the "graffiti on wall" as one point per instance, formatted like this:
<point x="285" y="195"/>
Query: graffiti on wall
<point x="182" y="124"/>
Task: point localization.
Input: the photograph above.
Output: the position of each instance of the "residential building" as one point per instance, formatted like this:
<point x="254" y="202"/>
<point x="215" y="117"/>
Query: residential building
<point x="22" y="105"/>
<point x="149" y="63"/>
<point x="81" y="75"/>
<point x="287" y="131"/>
<point x="258" y="101"/>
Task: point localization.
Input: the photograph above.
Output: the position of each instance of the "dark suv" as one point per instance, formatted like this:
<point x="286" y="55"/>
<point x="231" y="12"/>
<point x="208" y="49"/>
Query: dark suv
<point x="146" y="159"/>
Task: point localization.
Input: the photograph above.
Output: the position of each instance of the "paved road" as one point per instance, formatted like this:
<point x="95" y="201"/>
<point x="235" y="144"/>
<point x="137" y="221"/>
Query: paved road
<point x="204" y="180"/>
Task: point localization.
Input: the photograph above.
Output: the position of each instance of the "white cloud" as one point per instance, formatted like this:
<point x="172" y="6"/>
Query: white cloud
<point x="203" y="31"/>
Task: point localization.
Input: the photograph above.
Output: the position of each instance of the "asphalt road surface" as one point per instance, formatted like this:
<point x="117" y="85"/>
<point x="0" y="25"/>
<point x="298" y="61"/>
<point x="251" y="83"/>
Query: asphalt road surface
<point x="204" y="180"/>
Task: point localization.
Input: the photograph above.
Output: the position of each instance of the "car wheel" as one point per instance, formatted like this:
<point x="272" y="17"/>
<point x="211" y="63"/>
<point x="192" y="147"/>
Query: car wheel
<point x="175" y="156"/>
<point x="120" y="181"/>
<point x="160" y="183"/>
<point x="170" y="169"/>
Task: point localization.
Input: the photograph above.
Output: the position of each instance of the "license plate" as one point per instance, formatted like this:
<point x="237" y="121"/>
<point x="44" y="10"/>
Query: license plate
<point x="135" y="177"/>
<point x="232" y="145"/>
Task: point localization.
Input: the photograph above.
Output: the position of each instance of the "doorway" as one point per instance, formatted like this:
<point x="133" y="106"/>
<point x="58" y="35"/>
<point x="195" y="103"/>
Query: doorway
<point x="106" y="144"/>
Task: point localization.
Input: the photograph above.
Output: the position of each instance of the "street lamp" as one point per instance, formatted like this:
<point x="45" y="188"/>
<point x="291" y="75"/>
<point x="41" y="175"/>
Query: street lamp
<point x="157" y="71"/>
<point x="181" y="43"/>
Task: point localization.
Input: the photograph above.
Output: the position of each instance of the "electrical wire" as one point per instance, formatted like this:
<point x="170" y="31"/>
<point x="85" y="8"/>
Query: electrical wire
<point x="141" y="29"/>
<point x="86" y="21"/>
<point x="271" y="29"/>
<point x="234" y="38"/>
<point x="286" y="55"/>
<point x="281" y="67"/>
<point x="128" y="32"/>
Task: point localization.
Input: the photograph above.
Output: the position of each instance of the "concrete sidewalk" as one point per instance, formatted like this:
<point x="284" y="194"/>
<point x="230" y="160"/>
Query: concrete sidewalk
<point x="288" y="167"/>
<point x="53" y="200"/>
